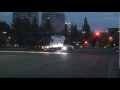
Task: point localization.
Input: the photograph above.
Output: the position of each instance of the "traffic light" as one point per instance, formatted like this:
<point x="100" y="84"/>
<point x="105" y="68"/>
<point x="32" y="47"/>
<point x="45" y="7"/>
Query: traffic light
<point x="86" y="42"/>
<point x="97" y="33"/>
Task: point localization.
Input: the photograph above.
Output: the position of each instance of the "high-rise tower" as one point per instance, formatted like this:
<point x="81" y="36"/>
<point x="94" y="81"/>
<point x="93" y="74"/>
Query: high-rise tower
<point x="29" y="15"/>
<point x="57" y="19"/>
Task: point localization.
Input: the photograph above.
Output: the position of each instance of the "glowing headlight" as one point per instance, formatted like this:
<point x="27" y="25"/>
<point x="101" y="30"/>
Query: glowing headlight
<point x="64" y="48"/>
<point x="47" y="46"/>
<point x="42" y="47"/>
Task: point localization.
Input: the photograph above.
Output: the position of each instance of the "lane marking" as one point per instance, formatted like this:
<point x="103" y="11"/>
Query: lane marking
<point x="35" y="52"/>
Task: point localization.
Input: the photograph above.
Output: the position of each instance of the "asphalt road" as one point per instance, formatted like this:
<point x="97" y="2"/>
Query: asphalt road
<point x="83" y="63"/>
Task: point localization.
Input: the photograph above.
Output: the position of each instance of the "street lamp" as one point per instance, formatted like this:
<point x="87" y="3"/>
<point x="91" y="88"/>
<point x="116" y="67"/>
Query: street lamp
<point x="68" y="23"/>
<point x="110" y="39"/>
<point x="83" y="32"/>
<point x="4" y="32"/>
<point x="9" y="37"/>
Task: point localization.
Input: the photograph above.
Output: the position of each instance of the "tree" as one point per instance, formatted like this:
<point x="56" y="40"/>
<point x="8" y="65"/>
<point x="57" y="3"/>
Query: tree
<point x="27" y="32"/>
<point x="65" y="31"/>
<point x="75" y="33"/>
<point x="46" y="26"/>
<point x="49" y="27"/>
<point x="35" y="26"/>
<point x="22" y="29"/>
<point x="4" y="27"/>
<point x="86" y="28"/>
<point x="103" y="39"/>
<point x="72" y="27"/>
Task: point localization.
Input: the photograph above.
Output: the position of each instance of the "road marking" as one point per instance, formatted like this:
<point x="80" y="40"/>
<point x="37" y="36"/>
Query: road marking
<point x="35" y="52"/>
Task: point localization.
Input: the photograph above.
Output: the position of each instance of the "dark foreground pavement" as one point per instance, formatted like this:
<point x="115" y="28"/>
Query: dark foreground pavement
<point x="82" y="63"/>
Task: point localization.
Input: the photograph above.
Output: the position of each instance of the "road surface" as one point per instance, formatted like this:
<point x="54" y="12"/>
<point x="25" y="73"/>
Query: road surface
<point x="81" y="63"/>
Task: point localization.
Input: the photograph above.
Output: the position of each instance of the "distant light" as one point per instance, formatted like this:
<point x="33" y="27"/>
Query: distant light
<point x="86" y="42"/>
<point x="9" y="37"/>
<point x="77" y="44"/>
<point x="4" y="32"/>
<point x="97" y="34"/>
<point x="48" y="17"/>
<point x="81" y="46"/>
<point x="110" y="37"/>
<point x="114" y="44"/>
<point x="67" y="23"/>
<point x="105" y="46"/>
<point x="83" y="32"/>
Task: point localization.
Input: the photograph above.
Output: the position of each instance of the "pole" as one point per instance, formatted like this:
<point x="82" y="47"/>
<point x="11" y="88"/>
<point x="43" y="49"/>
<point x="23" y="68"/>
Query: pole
<point x="83" y="34"/>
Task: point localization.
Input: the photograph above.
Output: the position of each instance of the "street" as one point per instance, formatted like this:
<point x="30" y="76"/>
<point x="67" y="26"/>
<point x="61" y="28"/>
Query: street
<point x="81" y="63"/>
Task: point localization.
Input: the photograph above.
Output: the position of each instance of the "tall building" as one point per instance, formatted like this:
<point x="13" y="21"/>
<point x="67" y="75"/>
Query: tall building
<point x="112" y="30"/>
<point x="29" y="15"/>
<point x="57" y="19"/>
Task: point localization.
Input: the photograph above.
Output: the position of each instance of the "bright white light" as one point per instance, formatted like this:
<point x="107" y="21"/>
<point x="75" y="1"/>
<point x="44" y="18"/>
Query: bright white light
<point x="105" y="47"/>
<point x="47" y="53"/>
<point x="42" y="47"/>
<point x="83" y="32"/>
<point x="9" y="37"/>
<point x="4" y="32"/>
<point x="57" y="45"/>
<point x="47" y="47"/>
<point x="67" y="23"/>
<point x="77" y="44"/>
<point x="64" y="48"/>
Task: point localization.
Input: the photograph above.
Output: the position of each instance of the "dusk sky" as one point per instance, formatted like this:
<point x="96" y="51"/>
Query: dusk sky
<point x="98" y="21"/>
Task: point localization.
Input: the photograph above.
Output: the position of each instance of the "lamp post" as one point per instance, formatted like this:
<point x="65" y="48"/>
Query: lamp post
<point x="110" y="39"/>
<point x="68" y="23"/>
<point x="83" y="32"/>
<point x="4" y="32"/>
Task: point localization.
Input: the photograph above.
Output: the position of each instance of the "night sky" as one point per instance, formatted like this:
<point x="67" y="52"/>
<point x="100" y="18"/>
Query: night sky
<point x="98" y="21"/>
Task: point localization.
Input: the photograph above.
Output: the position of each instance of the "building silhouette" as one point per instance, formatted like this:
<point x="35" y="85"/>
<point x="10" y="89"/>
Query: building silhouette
<point x="57" y="19"/>
<point x="29" y="15"/>
<point x="112" y="31"/>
